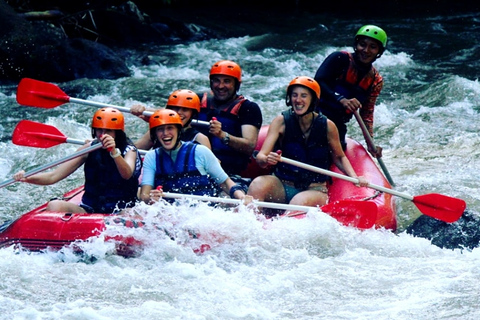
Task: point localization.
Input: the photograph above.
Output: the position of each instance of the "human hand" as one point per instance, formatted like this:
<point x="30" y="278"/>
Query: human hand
<point x="274" y="157"/>
<point x="375" y="152"/>
<point x="351" y="105"/>
<point x="216" y="128"/>
<point x="137" y="110"/>
<point x="156" y="194"/>
<point x="108" y="142"/>
<point x="362" y="182"/>
<point x="247" y="200"/>
<point x="19" y="176"/>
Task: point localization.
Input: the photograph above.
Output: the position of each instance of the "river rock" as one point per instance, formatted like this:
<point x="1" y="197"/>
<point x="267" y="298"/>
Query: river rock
<point x="59" y="46"/>
<point x="462" y="234"/>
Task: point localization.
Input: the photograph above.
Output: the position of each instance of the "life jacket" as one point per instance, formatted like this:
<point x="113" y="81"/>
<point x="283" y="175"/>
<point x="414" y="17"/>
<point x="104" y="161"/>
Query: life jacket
<point x="105" y="189"/>
<point x="190" y="134"/>
<point x="182" y="176"/>
<point x="350" y="86"/>
<point x="315" y="151"/>
<point x="232" y="161"/>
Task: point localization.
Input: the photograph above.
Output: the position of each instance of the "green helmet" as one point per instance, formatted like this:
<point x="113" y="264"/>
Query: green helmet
<point x="373" y="32"/>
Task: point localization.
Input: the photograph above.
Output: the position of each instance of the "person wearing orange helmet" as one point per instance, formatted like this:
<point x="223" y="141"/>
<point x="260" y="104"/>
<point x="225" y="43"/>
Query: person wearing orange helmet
<point x="350" y="82"/>
<point x="180" y="166"/>
<point x="187" y="104"/>
<point x="306" y="136"/>
<point x="234" y="120"/>
<point x="111" y="173"/>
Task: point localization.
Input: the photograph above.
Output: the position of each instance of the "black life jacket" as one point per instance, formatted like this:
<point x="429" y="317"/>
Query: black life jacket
<point x="233" y="162"/>
<point x="190" y="134"/>
<point x="350" y="85"/>
<point x="105" y="189"/>
<point x="315" y="151"/>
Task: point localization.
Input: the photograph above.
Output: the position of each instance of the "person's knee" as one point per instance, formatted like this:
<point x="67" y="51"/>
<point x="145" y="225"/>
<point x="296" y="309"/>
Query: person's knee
<point x="56" y="205"/>
<point x="310" y="199"/>
<point x="261" y="187"/>
<point x="256" y="186"/>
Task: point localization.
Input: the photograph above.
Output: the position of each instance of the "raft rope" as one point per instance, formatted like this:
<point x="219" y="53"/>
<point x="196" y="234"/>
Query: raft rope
<point x="375" y="195"/>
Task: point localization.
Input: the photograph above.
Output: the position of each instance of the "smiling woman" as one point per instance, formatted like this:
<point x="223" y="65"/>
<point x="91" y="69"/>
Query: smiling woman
<point x="111" y="172"/>
<point x="290" y="132"/>
<point x="180" y="166"/>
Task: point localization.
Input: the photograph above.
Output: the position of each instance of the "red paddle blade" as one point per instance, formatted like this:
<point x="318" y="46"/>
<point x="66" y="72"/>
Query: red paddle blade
<point x="34" y="134"/>
<point x="34" y="93"/>
<point x="440" y="207"/>
<point x="358" y="214"/>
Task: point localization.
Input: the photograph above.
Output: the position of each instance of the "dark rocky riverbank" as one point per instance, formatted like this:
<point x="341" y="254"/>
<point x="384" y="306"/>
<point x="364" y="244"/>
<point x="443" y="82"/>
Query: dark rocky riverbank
<point x="57" y="45"/>
<point x="62" y="41"/>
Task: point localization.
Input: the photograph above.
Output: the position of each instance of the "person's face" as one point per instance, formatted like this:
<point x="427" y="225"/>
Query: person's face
<point x="184" y="113"/>
<point x="223" y="87"/>
<point x="301" y="99"/>
<point x="100" y="132"/>
<point x="167" y="135"/>
<point x="367" y="50"/>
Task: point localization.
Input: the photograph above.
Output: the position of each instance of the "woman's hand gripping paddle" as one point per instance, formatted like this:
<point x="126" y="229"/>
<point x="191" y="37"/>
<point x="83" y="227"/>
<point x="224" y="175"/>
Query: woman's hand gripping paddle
<point x="54" y="163"/>
<point x="435" y="205"/>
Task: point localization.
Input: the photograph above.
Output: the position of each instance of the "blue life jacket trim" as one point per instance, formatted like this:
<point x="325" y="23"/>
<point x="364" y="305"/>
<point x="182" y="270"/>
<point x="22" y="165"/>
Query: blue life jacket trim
<point x="182" y="176"/>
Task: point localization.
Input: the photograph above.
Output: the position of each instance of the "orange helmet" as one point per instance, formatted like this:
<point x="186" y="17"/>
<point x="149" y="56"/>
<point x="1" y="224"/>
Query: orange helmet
<point x="108" y="118"/>
<point x="306" y="82"/>
<point x="227" y="68"/>
<point x="164" y="116"/>
<point x="185" y="99"/>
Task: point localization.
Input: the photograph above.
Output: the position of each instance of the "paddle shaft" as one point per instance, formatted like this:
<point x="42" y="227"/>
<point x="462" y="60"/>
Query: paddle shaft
<point x="82" y="142"/>
<point x="54" y="163"/>
<point x="438" y="206"/>
<point x="344" y="177"/>
<point x="263" y="204"/>
<point x="369" y="140"/>
<point x="125" y="109"/>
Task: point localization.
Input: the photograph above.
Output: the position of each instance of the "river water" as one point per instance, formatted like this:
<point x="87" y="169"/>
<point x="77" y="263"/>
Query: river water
<point x="426" y="120"/>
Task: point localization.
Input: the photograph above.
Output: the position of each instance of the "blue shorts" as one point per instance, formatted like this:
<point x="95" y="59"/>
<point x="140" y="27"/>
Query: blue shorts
<point x="291" y="191"/>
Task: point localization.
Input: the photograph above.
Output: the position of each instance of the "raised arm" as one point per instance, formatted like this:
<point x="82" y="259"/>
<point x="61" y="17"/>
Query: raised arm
<point x="61" y="172"/>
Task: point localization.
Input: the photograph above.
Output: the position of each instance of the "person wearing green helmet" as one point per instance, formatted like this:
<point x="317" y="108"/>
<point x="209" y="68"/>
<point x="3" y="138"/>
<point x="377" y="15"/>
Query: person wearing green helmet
<point x="350" y="82"/>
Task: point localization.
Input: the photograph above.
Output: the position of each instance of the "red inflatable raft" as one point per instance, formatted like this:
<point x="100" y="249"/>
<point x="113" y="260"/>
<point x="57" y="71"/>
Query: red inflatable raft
<point x="340" y="190"/>
<point x="38" y="229"/>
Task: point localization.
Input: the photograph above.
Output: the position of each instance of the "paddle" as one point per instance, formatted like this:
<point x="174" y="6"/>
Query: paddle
<point x="361" y="214"/>
<point x="54" y="163"/>
<point x="435" y="205"/>
<point x="35" y="93"/>
<point x="371" y="144"/>
<point x="38" y="135"/>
